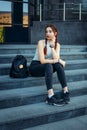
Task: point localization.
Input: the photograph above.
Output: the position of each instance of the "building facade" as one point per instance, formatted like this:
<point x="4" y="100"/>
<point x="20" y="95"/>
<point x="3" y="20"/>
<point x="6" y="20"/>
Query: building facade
<point x="26" y="15"/>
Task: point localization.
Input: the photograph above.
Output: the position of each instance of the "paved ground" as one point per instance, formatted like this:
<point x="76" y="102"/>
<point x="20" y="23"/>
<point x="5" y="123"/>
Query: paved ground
<point x="78" y="123"/>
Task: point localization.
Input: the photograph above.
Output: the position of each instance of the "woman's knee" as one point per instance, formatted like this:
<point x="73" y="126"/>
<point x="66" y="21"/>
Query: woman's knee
<point x="49" y="67"/>
<point x="58" y="65"/>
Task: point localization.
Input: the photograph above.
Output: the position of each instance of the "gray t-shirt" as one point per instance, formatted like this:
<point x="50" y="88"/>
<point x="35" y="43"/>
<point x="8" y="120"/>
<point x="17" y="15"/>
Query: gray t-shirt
<point x="49" y="53"/>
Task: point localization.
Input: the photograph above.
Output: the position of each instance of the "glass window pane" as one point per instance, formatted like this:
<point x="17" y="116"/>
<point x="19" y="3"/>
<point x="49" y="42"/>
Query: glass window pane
<point x="25" y="0"/>
<point x="5" y="6"/>
<point x="5" y="13"/>
<point x="25" y="14"/>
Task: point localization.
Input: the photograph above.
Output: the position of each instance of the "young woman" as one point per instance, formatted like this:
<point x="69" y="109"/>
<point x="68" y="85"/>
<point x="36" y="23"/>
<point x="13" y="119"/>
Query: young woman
<point x="46" y="61"/>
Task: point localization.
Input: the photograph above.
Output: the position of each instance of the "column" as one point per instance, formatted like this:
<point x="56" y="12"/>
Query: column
<point x="17" y="13"/>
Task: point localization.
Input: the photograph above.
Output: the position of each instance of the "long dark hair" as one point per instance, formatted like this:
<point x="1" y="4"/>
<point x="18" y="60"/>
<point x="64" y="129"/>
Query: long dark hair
<point x="54" y="29"/>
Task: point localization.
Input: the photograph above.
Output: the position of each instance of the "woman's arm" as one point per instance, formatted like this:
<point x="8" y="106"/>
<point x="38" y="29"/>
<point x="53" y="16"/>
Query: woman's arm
<point x="56" y="53"/>
<point x="42" y="55"/>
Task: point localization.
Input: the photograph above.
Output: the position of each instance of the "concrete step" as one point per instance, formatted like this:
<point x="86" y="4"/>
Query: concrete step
<point x="21" y="49"/>
<point x="8" y="58"/>
<point x="70" y="64"/>
<point x="27" y="116"/>
<point x="32" y="95"/>
<point x="22" y="100"/>
<point x="10" y="83"/>
<point x="76" y="123"/>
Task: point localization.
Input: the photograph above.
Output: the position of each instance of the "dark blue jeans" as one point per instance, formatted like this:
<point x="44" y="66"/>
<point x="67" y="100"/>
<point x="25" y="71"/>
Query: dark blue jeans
<point x="39" y="70"/>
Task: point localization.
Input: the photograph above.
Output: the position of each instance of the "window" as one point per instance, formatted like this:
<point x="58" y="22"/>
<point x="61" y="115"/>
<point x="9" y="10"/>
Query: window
<point x="5" y="9"/>
<point x="5" y="6"/>
<point x="25" y="13"/>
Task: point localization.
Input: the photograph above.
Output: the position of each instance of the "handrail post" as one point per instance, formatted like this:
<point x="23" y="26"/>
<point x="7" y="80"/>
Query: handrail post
<point x="80" y="11"/>
<point x="40" y="12"/>
<point x="64" y="11"/>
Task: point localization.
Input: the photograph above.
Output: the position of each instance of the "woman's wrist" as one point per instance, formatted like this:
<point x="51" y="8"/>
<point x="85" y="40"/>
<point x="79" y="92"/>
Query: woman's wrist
<point x="53" y="61"/>
<point x="52" y="46"/>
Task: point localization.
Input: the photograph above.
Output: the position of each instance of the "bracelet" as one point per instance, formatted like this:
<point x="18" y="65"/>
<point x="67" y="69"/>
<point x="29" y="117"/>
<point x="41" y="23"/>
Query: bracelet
<point x="52" y="46"/>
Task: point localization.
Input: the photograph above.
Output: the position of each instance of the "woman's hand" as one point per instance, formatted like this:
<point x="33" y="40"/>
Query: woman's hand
<point x="55" y="61"/>
<point x="56" y="52"/>
<point x="52" y="43"/>
<point x="62" y="62"/>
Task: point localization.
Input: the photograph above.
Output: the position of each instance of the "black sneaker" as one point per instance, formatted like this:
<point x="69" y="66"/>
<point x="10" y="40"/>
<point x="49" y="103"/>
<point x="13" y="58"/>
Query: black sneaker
<point x="54" y="101"/>
<point x="66" y="97"/>
<point x="58" y="95"/>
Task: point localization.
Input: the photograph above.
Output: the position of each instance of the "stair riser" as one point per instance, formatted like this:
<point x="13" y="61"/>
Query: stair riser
<point x="17" y="51"/>
<point x="65" y="57"/>
<point x="38" y="81"/>
<point x="5" y="71"/>
<point x="44" y="119"/>
<point x="18" y="101"/>
<point x="32" y="50"/>
<point x="76" y="66"/>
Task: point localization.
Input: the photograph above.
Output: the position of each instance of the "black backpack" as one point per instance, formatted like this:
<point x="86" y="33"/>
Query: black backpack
<point x="19" y="67"/>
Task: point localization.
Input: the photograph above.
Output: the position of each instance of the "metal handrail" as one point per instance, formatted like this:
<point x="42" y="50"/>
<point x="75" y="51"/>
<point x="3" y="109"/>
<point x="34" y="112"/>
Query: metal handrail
<point x="64" y="9"/>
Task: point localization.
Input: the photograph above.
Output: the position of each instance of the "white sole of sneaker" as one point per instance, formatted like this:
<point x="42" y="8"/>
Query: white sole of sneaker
<point x="53" y="104"/>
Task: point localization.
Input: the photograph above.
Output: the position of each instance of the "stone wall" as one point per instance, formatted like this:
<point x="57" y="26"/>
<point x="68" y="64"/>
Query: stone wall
<point x="70" y="33"/>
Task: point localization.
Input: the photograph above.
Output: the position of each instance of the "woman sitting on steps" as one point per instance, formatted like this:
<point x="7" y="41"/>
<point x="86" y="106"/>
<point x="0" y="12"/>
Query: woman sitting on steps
<point x="46" y="61"/>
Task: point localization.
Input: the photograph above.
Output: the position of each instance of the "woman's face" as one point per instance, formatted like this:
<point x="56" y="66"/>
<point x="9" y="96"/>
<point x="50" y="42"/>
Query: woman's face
<point x="49" y="33"/>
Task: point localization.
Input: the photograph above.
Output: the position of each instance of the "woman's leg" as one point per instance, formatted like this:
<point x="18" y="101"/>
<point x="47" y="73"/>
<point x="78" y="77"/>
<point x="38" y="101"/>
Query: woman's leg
<point x="61" y="74"/>
<point x="62" y="78"/>
<point x="37" y="69"/>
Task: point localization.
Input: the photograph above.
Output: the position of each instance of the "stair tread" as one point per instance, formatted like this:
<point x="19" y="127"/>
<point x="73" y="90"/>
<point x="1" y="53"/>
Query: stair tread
<point x="31" y="54"/>
<point x="33" y="45"/>
<point x="39" y="90"/>
<point x="67" y="62"/>
<point x="76" y="123"/>
<point x="6" y="78"/>
<point x="22" y="46"/>
<point x="39" y="109"/>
